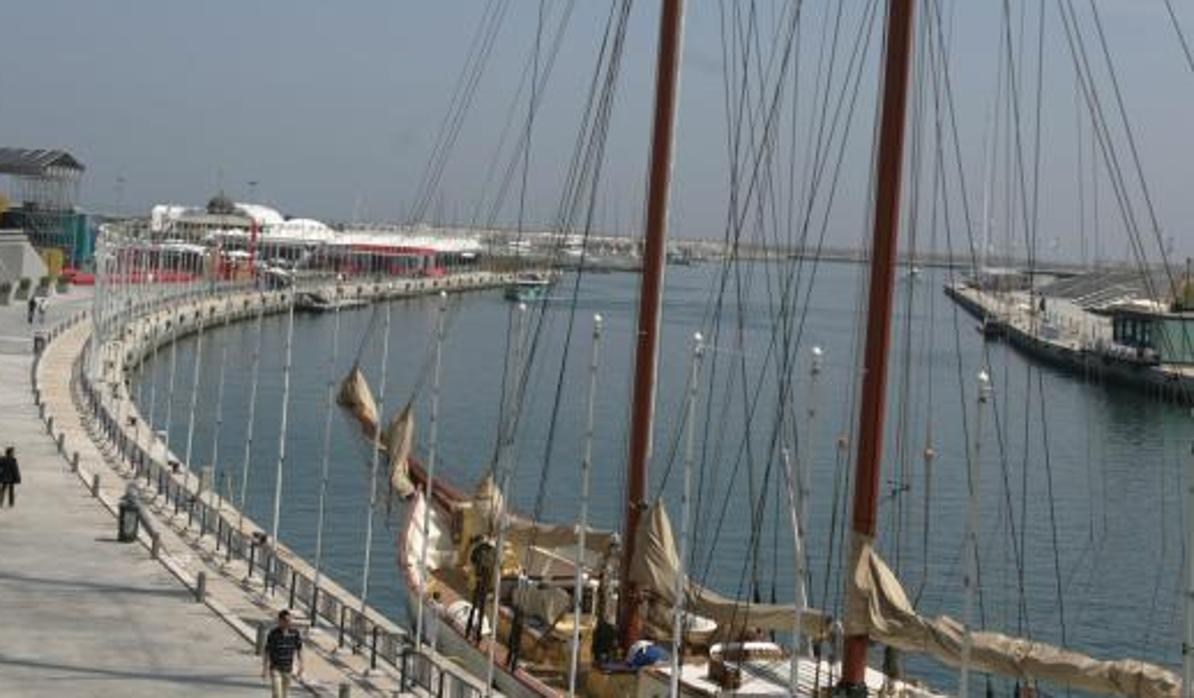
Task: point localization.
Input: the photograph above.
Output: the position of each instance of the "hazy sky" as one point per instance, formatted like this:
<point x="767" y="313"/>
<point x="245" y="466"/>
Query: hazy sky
<point x="332" y="106"/>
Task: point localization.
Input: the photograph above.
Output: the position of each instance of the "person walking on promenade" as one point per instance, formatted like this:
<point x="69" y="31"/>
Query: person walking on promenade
<point x="41" y="309"/>
<point x="32" y="308"/>
<point x="283" y="656"/>
<point x="10" y="476"/>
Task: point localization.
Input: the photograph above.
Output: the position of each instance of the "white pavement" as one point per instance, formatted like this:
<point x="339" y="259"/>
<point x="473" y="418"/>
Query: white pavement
<point x="80" y="614"/>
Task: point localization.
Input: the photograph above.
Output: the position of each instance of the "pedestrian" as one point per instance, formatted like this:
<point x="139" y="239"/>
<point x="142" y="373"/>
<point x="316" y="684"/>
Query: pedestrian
<point x="483" y="557"/>
<point x="41" y="310"/>
<point x="32" y="306"/>
<point x="10" y="476"/>
<point x="283" y="656"/>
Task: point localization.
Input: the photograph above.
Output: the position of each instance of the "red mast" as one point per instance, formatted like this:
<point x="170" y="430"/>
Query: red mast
<point x="667" y="78"/>
<point x="878" y="330"/>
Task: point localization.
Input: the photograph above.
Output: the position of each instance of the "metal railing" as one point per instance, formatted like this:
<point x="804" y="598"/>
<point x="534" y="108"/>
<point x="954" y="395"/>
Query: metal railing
<point x="175" y="486"/>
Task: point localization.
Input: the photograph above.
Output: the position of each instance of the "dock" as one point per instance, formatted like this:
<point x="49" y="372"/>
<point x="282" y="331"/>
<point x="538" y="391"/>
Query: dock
<point x="1069" y="337"/>
<point x="184" y="611"/>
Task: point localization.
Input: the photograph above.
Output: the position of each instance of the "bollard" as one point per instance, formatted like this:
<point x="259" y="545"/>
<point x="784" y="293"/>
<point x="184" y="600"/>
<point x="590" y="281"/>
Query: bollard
<point x="74" y="462"/>
<point x="259" y="645"/>
<point x="201" y="587"/>
<point x="156" y="549"/>
<point x="95" y="480"/>
<point x="50" y="424"/>
<point x="345" y="691"/>
<point x="61" y="442"/>
<point x="41" y="410"/>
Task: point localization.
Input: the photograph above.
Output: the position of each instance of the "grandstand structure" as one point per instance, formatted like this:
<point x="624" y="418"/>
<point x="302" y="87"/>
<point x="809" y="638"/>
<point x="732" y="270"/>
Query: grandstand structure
<point x="43" y="196"/>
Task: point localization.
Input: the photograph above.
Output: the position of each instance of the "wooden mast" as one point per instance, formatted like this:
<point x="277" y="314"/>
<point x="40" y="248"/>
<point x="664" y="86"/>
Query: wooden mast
<point x="882" y="281"/>
<point x="667" y="78"/>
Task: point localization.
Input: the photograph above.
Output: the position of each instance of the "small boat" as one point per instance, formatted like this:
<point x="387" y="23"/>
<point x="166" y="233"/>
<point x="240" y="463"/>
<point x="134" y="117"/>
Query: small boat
<point x="531" y="287"/>
<point x="314" y="302"/>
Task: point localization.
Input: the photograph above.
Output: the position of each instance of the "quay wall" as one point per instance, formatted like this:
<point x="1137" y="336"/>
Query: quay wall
<point x="107" y="400"/>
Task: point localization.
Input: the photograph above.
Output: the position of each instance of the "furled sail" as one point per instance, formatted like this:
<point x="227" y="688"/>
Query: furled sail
<point x="356" y="397"/>
<point x="877" y="606"/>
<point x="399" y="438"/>
<point x="657" y="563"/>
<point x="481" y="518"/>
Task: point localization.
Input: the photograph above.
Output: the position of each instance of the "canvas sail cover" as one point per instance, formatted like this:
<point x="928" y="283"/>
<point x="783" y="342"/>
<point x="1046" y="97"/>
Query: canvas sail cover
<point x="399" y="439"/>
<point x="656" y="564"/>
<point x="355" y="396"/>
<point x="487" y="504"/>
<point x="877" y="606"/>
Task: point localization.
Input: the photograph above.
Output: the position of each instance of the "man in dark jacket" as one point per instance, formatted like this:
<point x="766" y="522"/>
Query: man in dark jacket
<point x="10" y="476"/>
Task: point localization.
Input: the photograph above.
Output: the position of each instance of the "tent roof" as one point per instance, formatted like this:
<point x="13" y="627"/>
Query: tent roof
<point x="36" y="162"/>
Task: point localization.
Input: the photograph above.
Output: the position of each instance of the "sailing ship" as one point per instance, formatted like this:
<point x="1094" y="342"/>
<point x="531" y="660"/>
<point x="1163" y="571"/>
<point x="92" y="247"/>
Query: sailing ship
<point x="543" y="610"/>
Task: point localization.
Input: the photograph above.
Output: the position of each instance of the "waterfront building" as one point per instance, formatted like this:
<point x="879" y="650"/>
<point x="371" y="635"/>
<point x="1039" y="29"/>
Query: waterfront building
<point x="1154" y="332"/>
<point x="41" y="201"/>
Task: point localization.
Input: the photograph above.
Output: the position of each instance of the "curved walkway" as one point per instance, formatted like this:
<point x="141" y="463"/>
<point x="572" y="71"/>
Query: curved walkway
<point x="83" y="615"/>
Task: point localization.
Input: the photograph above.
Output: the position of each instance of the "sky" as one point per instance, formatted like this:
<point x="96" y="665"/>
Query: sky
<point x="332" y="109"/>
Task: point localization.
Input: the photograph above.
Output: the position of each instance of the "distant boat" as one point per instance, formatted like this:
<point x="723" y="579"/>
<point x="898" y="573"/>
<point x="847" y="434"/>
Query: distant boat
<point x="529" y="287"/>
<point x="313" y="302"/>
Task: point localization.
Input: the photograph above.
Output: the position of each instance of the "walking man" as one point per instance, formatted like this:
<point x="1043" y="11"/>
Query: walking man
<point x="10" y="476"/>
<point x="283" y="656"/>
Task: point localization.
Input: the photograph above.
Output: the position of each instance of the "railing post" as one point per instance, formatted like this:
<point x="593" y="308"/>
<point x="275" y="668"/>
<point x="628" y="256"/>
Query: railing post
<point x="95" y="484"/>
<point x="293" y="578"/>
<point x="74" y="462"/>
<point x="373" y="649"/>
<point x="340" y="642"/>
<point x="156" y="549"/>
<point x="201" y="587"/>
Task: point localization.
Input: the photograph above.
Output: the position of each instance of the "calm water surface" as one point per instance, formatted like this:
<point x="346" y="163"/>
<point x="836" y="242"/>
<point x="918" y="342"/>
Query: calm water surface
<point x="1079" y="481"/>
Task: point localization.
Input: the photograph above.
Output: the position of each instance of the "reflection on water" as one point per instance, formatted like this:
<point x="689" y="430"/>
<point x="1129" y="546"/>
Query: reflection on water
<point x="1080" y="482"/>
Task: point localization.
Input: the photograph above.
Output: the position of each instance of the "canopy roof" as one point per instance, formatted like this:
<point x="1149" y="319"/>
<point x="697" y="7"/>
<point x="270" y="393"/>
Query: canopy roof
<point x="28" y="162"/>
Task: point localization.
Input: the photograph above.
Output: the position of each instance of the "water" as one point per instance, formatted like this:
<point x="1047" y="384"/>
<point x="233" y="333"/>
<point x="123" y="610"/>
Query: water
<point x="1095" y="497"/>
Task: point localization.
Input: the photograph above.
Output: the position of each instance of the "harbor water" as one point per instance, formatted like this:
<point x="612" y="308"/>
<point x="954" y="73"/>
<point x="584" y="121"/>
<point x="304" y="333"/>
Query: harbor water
<point x="1080" y="484"/>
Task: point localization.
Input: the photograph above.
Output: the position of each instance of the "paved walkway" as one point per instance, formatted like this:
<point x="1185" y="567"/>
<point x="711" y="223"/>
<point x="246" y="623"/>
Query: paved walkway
<point x="82" y="615"/>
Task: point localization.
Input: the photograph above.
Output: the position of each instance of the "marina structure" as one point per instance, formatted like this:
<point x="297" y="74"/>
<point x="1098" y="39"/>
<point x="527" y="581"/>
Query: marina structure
<point x="1109" y="332"/>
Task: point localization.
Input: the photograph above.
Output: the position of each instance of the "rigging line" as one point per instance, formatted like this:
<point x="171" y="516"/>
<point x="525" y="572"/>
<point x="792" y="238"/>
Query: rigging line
<point x="472" y="74"/>
<point x="538" y="93"/>
<point x="1138" y="166"/>
<point x="521" y="378"/>
<point x="491" y="168"/>
<point x="1181" y="36"/>
<point x="1040" y="383"/>
<point x="1106" y="146"/>
<point x="865" y="25"/>
<point x="456" y="98"/>
<point x="767" y="142"/>
<point x="961" y="176"/>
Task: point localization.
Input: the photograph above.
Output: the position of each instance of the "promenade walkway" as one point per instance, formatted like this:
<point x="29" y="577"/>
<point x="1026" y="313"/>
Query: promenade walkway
<point x="83" y="615"/>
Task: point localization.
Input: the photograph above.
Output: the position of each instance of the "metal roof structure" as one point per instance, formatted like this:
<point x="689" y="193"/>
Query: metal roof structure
<point x="27" y="162"/>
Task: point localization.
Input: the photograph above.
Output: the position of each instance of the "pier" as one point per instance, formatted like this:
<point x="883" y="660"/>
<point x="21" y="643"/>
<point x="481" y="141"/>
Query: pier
<point x="184" y="612"/>
<point x="1068" y="337"/>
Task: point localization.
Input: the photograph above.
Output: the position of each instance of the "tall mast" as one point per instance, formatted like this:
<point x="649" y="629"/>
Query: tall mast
<point x="667" y="79"/>
<point x="878" y="331"/>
